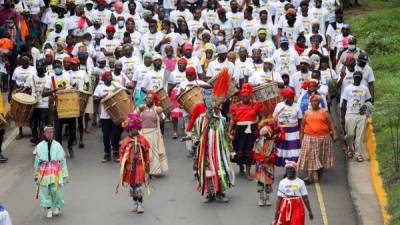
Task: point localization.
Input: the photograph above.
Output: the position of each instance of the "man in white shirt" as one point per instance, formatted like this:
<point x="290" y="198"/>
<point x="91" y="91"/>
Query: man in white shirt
<point x="192" y="61"/>
<point x="109" y="44"/>
<point x="355" y="106"/>
<point x="152" y="38"/>
<point x="111" y="132"/>
<point x="285" y="58"/>
<point x="266" y="75"/>
<point x="129" y="61"/>
<point x="321" y="14"/>
<point x="367" y="73"/>
<point x="215" y="67"/>
<point x="298" y="78"/>
<point x="60" y="80"/>
<point x="156" y="78"/>
<point x="243" y="66"/>
<point x="263" y="43"/>
<point x="235" y="15"/>
<point x="140" y="76"/>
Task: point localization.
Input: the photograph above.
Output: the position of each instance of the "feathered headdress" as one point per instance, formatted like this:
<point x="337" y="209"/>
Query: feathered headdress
<point x="133" y="121"/>
<point x="221" y="86"/>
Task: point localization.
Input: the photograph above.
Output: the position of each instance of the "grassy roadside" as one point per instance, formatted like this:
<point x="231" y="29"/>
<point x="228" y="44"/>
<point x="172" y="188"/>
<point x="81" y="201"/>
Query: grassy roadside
<point x="376" y="25"/>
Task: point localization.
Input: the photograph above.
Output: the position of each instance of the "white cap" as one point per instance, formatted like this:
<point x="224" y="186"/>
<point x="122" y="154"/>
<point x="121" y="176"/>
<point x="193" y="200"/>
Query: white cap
<point x="221" y="49"/>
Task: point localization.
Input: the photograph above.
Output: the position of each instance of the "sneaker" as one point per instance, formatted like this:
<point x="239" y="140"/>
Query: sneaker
<point x="81" y="145"/>
<point x="222" y="197"/>
<point x="71" y="152"/>
<point x="49" y="213"/>
<point x="261" y="202"/>
<point x="140" y="208"/>
<point x="3" y="159"/>
<point x="267" y="202"/>
<point x="135" y="207"/>
<point x="209" y="198"/>
<point x="57" y="212"/>
<point x="106" y="158"/>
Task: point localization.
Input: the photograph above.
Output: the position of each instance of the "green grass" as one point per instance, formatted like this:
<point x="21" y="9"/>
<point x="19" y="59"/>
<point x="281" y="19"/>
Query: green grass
<point x="376" y="24"/>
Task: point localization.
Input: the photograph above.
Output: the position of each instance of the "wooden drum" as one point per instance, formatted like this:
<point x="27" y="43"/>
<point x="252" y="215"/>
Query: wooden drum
<point x="84" y="97"/>
<point x="190" y="98"/>
<point x="21" y="109"/>
<point x="268" y="95"/>
<point x="67" y="104"/>
<point x="165" y="101"/>
<point x="117" y="105"/>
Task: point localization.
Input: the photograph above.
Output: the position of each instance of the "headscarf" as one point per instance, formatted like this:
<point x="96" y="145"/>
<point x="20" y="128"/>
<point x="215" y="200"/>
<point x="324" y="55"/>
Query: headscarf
<point x="308" y="83"/>
<point x="183" y="60"/>
<point x="288" y="92"/>
<point x="209" y="46"/>
<point x="155" y="97"/>
<point x="247" y="90"/>
<point x="291" y="164"/>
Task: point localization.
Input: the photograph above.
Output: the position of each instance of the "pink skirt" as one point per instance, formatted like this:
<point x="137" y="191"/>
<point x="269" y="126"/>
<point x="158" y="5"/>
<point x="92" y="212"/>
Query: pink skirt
<point x="177" y="112"/>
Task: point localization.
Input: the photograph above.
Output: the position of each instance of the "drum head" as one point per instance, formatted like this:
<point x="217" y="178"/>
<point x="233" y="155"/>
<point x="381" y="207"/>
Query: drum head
<point x="112" y="94"/>
<point x="24" y="98"/>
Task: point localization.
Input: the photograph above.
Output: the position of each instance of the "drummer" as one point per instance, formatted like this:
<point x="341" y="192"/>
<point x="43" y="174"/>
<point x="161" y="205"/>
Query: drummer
<point x="111" y="131"/>
<point x="19" y="77"/>
<point x="175" y="79"/>
<point x="80" y="79"/>
<point x="243" y="127"/>
<point x="36" y="84"/>
<point x="60" y="80"/>
<point x="266" y="75"/>
<point x="189" y="82"/>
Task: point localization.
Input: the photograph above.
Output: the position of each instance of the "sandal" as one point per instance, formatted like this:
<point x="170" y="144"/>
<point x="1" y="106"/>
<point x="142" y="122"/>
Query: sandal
<point x="349" y="155"/>
<point x="175" y="136"/>
<point x="359" y="158"/>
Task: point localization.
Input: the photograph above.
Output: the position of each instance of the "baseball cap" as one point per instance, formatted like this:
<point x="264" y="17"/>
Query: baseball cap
<point x="221" y="49"/>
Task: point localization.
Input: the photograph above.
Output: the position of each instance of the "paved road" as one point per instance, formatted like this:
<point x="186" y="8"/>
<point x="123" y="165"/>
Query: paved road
<point x="90" y="197"/>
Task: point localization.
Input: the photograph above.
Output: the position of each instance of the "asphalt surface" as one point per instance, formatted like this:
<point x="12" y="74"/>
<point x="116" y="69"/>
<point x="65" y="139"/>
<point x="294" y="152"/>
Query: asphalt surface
<point x="91" y="199"/>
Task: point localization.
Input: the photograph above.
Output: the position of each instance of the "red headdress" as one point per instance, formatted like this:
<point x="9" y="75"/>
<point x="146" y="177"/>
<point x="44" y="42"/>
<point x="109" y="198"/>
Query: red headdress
<point x="288" y="92"/>
<point x="221" y="85"/>
<point x="247" y="90"/>
<point x="307" y="83"/>
<point x="155" y="97"/>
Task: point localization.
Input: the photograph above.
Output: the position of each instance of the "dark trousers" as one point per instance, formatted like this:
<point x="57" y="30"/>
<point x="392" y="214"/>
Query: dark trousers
<point x="111" y="136"/>
<point x="39" y="121"/>
<point x="80" y="127"/>
<point x="58" y="125"/>
<point x="2" y="132"/>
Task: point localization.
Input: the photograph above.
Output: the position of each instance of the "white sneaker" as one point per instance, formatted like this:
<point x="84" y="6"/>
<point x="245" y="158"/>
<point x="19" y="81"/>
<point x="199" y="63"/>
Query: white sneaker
<point x="49" y="213"/>
<point x="267" y="201"/>
<point x="57" y="212"/>
<point x="140" y="208"/>
<point x="261" y="202"/>
<point x="135" y="207"/>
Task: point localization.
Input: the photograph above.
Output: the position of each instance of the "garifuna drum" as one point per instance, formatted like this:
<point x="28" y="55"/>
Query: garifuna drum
<point x="268" y="95"/>
<point x="84" y="97"/>
<point x="232" y="86"/>
<point x="67" y="104"/>
<point x="118" y="105"/>
<point x="190" y="98"/>
<point x="21" y="109"/>
<point x="165" y="101"/>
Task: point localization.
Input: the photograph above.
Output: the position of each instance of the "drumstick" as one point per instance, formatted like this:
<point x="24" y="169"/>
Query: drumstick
<point x="53" y="83"/>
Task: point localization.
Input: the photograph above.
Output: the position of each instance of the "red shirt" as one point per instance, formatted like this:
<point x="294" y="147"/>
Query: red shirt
<point x="246" y="112"/>
<point x="197" y="111"/>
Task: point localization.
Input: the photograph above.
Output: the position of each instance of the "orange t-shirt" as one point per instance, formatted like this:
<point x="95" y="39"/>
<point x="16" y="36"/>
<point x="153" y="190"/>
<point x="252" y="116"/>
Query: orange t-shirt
<point x="316" y="123"/>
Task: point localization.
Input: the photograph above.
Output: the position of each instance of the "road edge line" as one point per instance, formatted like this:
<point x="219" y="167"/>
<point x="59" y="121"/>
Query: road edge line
<point x="374" y="168"/>
<point x="321" y="202"/>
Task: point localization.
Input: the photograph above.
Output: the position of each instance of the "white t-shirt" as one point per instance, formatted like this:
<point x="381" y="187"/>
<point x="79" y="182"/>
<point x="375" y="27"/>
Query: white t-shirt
<point x="149" y="41"/>
<point x="175" y="14"/>
<point x="34" y="6"/>
<point x="62" y="80"/>
<point x="37" y="84"/>
<point x="109" y="45"/>
<point x="101" y="91"/>
<point x="104" y="15"/>
<point x="240" y="44"/>
<point x="215" y="67"/>
<point x="5" y="218"/>
<point x="367" y="74"/>
<point x="236" y="18"/>
<point x="195" y="62"/>
<point x="20" y="75"/>
<point x="286" y="60"/>
<point x="288" y="116"/>
<point x="175" y="41"/>
<point x="243" y="69"/>
<point x="194" y="25"/>
<point x="129" y="65"/>
<point x="177" y="77"/>
<point x="297" y="80"/>
<point x="327" y="75"/>
<point x="80" y="78"/>
<point x="249" y="28"/>
<point x="292" y="33"/>
<point x="267" y="48"/>
<point x="355" y="97"/>
<point x="290" y="188"/>
<point x="155" y="80"/>
<point x="186" y="85"/>
<point x="140" y="75"/>
<point x="121" y="79"/>
<point x="262" y="77"/>
<point x="321" y="15"/>
<point x="209" y="16"/>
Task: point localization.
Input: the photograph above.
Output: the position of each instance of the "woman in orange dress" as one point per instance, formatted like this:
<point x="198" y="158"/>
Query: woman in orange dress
<point x="316" y="137"/>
